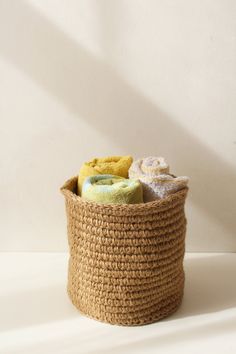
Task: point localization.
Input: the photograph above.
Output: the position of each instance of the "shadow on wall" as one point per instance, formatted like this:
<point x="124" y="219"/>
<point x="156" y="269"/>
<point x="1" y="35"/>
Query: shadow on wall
<point x="94" y="91"/>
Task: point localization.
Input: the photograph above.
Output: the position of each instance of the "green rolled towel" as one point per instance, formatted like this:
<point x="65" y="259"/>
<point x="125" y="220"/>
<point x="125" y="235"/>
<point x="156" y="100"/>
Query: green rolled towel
<point x="112" y="189"/>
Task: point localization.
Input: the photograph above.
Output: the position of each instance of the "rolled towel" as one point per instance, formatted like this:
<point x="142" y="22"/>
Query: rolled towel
<point x="149" y="167"/>
<point x="113" y="165"/>
<point x="154" y="174"/>
<point x="112" y="189"/>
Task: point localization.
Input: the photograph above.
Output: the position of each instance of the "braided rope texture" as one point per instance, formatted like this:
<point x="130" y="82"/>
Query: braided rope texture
<point x="126" y="260"/>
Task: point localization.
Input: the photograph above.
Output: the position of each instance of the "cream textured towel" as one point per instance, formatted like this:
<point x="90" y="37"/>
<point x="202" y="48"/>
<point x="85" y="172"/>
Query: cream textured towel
<point x="154" y="174"/>
<point x="112" y="189"/>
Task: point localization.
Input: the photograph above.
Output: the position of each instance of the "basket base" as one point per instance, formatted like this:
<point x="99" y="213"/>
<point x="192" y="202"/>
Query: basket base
<point x="165" y="309"/>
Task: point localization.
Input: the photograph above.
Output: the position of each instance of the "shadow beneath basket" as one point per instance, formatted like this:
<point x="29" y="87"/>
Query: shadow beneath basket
<point x="210" y="288"/>
<point x="34" y="307"/>
<point x="210" y="285"/>
<point x="171" y="339"/>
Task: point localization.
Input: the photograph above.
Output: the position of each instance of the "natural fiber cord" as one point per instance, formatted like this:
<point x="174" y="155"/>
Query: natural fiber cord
<point x="126" y="260"/>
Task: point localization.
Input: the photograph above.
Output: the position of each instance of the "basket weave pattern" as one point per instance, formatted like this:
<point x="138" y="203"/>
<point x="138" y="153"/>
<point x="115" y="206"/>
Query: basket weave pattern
<point x="126" y="261"/>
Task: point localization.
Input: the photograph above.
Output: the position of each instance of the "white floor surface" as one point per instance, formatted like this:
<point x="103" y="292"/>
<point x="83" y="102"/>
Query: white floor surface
<point x="36" y="316"/>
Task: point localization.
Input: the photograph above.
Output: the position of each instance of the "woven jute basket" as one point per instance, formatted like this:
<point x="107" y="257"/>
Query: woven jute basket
<point x="126" y="260"/>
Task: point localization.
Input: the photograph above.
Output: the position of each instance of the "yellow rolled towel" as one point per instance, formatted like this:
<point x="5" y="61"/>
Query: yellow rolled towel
<point x="113" y="165"/>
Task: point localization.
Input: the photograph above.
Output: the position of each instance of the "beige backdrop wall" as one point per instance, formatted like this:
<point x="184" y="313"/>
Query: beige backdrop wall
<point x="86" y="78"/>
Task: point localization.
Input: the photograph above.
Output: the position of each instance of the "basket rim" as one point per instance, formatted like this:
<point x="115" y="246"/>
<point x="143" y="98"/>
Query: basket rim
<point x="70" y="184"/>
